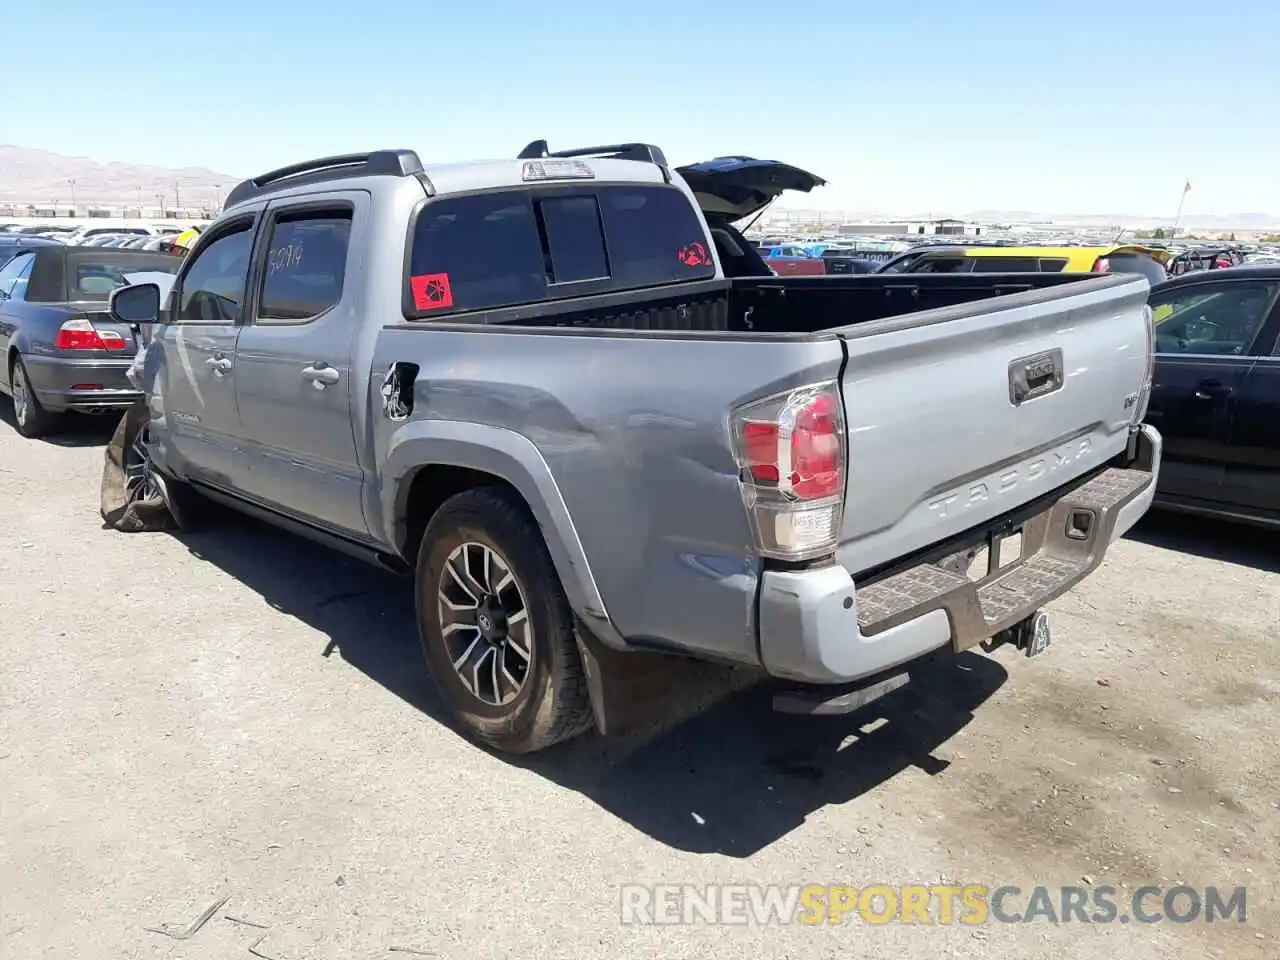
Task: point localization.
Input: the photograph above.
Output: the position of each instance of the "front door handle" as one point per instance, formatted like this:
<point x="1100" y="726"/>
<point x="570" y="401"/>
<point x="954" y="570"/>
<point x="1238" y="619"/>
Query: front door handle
<point x="1211" y="390"/>
<point x="220" y="365"/>
<point x="321" y="374"/>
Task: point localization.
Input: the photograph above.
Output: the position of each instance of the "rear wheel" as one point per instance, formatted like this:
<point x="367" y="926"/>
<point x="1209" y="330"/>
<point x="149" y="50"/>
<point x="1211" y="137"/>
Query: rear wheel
<point x="30" y="417"/>
<point x="497" y="630"/>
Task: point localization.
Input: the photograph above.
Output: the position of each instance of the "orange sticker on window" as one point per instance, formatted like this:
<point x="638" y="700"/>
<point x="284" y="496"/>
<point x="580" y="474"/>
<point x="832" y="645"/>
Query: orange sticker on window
<point x="431" y="291"/>
<point x="693" y="255"/>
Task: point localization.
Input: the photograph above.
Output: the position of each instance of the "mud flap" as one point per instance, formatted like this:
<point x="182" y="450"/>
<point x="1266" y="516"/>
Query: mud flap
<point x="120" y="510"/>
<point x="630" y="691"/>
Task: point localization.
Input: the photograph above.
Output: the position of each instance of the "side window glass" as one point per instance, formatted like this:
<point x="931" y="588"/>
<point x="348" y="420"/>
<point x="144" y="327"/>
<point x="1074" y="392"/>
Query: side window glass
<point x="477" y="253"/>
<point x="19" y="291"/>
<point x="11" y="271"/>
<point x="306" y="265"/>
<point x="941" y="265"/>
<point x="574" y="238"/>
<point x="1005" y="264"/>
<point x="1053" y="264"/>
<point x="213" y="287"/>
<point x="1212" y="319"/>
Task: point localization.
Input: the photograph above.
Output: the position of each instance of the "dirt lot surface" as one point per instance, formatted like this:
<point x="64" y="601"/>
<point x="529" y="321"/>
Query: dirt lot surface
<point x="240" y="714"/>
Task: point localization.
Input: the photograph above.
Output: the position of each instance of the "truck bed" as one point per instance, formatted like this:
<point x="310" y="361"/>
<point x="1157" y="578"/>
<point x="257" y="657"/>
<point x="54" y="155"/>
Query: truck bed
<point x="627" y="401"/>
<point x="794" y="306"/>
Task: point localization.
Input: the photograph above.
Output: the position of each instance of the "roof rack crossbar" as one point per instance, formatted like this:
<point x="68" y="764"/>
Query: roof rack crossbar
<point x="642" y="152"/>
<point x="378" y="163"/>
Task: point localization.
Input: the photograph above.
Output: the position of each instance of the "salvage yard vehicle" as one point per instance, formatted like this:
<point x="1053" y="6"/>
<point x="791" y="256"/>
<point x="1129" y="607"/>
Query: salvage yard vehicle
<point x="541" y="387"/>
<point x="1206" y="258"/>
<point x="1116" y="258"/>
<point x="1216" y="393"/>
<point x="62" y="351"/>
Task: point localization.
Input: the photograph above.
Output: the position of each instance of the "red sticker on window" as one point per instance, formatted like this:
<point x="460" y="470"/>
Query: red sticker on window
<point x="694" y="255"/>
<point x="431" y="291"/>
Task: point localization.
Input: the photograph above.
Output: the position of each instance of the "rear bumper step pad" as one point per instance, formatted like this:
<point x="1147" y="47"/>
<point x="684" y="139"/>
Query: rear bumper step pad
<point x="1060" y="546"/>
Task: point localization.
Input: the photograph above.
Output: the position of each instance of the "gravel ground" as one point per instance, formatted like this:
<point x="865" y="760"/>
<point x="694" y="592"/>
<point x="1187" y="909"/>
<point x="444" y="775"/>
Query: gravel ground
<point x="241" y="714"/>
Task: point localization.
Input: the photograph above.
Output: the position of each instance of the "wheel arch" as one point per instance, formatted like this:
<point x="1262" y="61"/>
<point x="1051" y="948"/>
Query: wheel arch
<point x="427" y="462"/>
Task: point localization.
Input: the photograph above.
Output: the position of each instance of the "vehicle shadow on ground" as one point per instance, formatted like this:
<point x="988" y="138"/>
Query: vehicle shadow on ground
<point x="78" y="430"/>
<point x="730" y="780"/>
<point x="1209" y="538"/>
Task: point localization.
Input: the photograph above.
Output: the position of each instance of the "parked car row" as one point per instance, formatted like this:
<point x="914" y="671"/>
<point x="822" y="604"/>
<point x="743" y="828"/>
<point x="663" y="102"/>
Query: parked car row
<point x="133" y="236"/>
<point x="789" y="258"/>
<point x="168" y="243"/>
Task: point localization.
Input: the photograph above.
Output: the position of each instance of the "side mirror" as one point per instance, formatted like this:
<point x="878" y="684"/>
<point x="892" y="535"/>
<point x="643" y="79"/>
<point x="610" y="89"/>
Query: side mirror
<point x="139" y="303"/>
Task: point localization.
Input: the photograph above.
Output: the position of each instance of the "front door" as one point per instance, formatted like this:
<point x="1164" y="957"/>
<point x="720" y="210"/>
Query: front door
<point x="1253" y="471"/>
<point x="196" y="427"/>
<point x="1204" y="332"/>
<point x="294" y="369"/>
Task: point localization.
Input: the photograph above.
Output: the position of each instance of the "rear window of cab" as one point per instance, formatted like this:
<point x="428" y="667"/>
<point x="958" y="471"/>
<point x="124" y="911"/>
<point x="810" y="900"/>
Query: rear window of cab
<point x="487" y="251"/>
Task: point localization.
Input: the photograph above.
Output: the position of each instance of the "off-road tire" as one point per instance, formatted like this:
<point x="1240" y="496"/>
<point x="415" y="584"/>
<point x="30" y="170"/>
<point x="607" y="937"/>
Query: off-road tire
<point x="553" y="704"/>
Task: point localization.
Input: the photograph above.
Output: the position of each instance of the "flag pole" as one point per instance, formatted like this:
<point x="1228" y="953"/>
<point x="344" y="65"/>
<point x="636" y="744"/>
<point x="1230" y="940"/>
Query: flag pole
<point x="1177" y="217"/>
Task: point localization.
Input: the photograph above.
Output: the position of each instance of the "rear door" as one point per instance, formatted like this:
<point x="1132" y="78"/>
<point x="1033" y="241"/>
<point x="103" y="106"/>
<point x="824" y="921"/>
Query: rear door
<point x="1253" y="466"/>
<point x="1205" y="333"/>
<point x="294" y="357"/>
<point x="194" y="388"/>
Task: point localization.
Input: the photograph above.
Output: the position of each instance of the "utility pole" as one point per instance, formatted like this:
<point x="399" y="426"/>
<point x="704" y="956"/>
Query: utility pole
<point x="177" y="197"/>
<point x="1177" y="217"/>
<point x="72" y="183"/>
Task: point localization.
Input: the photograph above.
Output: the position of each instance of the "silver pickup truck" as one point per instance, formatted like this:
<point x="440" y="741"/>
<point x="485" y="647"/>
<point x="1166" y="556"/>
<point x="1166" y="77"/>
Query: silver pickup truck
<point x="565" y="394"/>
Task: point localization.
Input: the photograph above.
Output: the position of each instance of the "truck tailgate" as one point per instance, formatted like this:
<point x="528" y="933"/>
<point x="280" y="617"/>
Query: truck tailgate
<point x="961" y="414"/>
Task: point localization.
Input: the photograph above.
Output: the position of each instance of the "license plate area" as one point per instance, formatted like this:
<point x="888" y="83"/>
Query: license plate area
<point x="1001" y="551"/>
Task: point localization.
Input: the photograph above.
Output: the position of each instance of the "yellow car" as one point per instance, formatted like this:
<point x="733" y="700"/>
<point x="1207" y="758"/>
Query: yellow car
<point x="1114" y="258"/>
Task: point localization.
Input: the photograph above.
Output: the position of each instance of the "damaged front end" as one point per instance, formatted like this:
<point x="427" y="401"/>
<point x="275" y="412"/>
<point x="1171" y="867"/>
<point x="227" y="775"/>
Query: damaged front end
<point x="133" y="497"/>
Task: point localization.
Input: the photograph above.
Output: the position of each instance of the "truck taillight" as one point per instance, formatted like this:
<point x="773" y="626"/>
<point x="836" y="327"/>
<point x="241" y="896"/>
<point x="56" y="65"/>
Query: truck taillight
<point x="791" y="459"/>
<point x="81" y="334"/>
<point x="1144" y="393"/>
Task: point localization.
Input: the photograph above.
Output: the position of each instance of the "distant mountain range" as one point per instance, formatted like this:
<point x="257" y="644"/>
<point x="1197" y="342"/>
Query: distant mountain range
<point x="41" y="177"/>
<point x="1229" y="221"/>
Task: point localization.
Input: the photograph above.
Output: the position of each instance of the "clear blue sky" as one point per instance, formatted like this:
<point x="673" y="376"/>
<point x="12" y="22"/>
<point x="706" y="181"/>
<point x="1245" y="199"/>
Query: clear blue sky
<point x="933" y="106"/>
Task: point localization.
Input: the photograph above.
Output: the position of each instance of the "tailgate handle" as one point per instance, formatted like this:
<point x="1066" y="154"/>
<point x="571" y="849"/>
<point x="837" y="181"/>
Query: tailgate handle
<point x="1035" y="376"/>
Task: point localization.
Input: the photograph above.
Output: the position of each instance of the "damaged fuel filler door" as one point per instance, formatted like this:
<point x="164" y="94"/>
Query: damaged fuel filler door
<point x="397" y="391"/>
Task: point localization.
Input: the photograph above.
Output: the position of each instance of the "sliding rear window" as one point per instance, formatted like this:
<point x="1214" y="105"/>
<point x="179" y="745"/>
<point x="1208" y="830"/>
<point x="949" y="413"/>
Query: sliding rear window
<point x="515" y="247"/>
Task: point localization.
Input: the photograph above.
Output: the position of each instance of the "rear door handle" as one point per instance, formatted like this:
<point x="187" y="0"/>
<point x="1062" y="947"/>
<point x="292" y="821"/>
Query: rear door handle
<point x="220" y="365"/>
<point x="321" y="374"/>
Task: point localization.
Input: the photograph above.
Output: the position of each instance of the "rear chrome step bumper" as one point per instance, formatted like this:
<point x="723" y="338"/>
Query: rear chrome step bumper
<point x="818" y="626"/>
